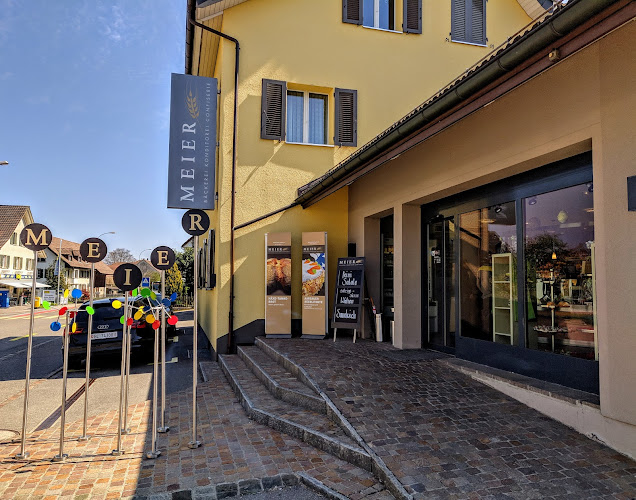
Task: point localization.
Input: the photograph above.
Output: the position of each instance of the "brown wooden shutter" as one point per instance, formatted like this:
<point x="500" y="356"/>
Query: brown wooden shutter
<point x="273" y="102"/>
<point x="412" y="16"/>
<point x="346" y="117"/>
<point x="352" y="11"/>
<point x="458" y="20"/>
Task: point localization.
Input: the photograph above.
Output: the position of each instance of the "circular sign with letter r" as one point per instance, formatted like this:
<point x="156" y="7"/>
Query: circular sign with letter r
<point x="195" y="222"/>
<point x="162" y="258"/>
<point x="36" y="237"/>
<point x="93" y="250"/>
<point x="127" y="277"/>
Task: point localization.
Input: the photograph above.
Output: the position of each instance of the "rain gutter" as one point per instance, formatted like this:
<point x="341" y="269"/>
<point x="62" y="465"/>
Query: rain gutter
<point x="555" y="27"/>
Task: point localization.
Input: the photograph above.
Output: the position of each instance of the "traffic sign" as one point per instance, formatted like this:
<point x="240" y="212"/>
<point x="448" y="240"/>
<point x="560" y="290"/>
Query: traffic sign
<point x="145" y="282"/>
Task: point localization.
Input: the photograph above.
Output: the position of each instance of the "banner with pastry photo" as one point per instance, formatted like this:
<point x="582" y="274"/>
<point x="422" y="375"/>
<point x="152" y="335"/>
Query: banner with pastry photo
<point x="278" y="280"/>
<point x="314" y="285"/>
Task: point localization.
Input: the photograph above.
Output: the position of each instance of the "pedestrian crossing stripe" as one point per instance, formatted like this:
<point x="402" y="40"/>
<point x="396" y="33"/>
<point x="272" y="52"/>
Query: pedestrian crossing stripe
<point x="23" y="337"/>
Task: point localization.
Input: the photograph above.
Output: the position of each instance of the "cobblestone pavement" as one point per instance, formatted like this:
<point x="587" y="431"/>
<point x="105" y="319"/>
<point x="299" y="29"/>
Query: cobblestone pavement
<point x="237" y="454"/>
<point x="445" y="435"/>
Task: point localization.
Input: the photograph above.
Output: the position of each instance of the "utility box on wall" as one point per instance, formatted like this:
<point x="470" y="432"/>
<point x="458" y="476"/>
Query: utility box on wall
<point x="631" y="193"/>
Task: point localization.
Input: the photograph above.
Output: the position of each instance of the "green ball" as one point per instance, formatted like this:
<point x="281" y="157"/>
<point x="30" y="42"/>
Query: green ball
<point x="90" y="310"/>
<point x="145" y="292"/>
<point x="122" y="320"/>
<point x="135" y="292"/>
<point x="46" y="305"/>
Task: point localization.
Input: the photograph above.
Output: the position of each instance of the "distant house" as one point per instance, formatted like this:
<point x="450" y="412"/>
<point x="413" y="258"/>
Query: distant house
<point x="76" y="271"/>
<point x="16" y="262"/>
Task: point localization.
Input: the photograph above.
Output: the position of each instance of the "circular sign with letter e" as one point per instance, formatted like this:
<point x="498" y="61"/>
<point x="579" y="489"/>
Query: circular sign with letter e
<point x="162" y="258"/>
<point x="195" y="222"/>
<point x="36" y="237"/>
<point x="93" y="250"/>
<point x="127" y="277"/>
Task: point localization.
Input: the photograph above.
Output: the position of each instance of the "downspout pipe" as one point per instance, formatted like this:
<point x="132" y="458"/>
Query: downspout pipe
<point x="193" y="22"/>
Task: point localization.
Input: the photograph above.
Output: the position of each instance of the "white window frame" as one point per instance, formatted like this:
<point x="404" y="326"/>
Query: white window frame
<point x="306" y="118"/>
<point x="376" y="16"/>
<point x="14" y="239"/>
<point x="17" y="263"/>
<point x="5" y="261"/>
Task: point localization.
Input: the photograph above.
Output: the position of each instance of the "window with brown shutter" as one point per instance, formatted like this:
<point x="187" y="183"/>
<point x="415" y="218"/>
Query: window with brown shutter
<point x="352" y="11"/>
<point x="273" y="110"/>
<point x="412" y="16"/>
<point x="468" y="21"/>
<point x="346" y="126"/>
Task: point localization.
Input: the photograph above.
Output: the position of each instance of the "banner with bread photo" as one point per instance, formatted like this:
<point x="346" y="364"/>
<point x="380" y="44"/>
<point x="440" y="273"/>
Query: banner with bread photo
<point x="278" y="283"/>
<point x="314" y="284"/>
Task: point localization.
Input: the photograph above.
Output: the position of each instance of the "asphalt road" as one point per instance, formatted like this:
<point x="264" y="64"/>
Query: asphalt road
<point x="46" y="374"/>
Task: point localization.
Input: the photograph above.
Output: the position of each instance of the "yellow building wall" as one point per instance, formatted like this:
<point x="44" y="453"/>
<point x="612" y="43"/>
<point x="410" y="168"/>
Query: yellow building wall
<point x="305" y="43"/>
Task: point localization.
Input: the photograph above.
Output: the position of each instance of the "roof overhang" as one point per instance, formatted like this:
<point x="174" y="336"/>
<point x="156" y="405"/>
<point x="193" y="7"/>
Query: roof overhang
<point x="568" y="29"/>
<point x="15" y="283"/>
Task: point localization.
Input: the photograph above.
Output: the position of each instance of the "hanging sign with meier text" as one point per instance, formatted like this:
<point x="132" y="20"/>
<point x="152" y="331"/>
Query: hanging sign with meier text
<point x="192" y="156"/>
<point x="349" y="289"/>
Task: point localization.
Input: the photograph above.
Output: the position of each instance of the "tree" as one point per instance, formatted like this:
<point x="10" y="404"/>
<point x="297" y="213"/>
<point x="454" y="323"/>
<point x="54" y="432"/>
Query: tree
<point x="185" y="261"/>
<point x="119" y="255"/>
<point x="51" y="278"/>
<point x="155" y="277"/>
<point x="174" y="281"/>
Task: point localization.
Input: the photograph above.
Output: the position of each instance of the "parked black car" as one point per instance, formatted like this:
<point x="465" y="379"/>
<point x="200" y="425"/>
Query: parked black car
<point x="108" y="330"/>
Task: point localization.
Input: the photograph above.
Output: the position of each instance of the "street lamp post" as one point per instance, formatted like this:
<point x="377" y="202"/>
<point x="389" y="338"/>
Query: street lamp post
<point x="4" y="162"/>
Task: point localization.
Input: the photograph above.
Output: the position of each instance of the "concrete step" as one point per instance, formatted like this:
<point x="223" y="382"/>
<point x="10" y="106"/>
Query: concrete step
<point x="279" y="381"/>
<point x="301" y="423"/>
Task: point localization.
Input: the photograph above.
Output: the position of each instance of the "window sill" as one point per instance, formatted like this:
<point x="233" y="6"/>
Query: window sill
<point x="381" y="29"/>
<point x="310" y="144"/>
<point x="469" y="43"/>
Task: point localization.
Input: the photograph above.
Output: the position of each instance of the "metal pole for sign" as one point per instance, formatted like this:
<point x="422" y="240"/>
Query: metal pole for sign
<point x="84" y="436"/>
<point x="23" y="454"/>
<point x="154" y="452"/>
<point x="163" y="427"/>
<point x="126" y="429"/>
<point x="61" y="456"/>
<point x="194" y="443"/>
<point x="118" y="450"/>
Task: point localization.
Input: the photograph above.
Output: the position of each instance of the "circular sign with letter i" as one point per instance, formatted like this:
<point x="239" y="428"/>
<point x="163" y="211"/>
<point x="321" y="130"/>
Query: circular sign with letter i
<point x="195" y="222"/>
<point x="127" y="277"/>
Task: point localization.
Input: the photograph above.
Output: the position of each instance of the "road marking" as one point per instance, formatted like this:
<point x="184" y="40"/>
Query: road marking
<point x="26" y="315"/>
<point x="23" y="337"/>
<point x="173" y="360"/>
<point x="25" y="349"/>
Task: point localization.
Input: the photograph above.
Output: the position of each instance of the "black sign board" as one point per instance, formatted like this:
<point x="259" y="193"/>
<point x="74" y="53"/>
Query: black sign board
<point x="349" y="293"/>
<point x="36" y="237"/>
<point x="127" y="277"/>
<point x="195" y="222"/>
<point x="93" y="250"/>
<point x="162" y="258"/>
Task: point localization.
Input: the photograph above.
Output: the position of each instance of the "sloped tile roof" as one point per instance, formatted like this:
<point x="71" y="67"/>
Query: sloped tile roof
<point x="10" y="217"/>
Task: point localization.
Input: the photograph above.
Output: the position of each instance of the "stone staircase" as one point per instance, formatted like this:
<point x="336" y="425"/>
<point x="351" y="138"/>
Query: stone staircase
<point x="276" y="392"/>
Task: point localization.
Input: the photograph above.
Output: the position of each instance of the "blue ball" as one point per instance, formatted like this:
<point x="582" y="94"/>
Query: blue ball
<point x="76" y="293"/>
<point x="166" y="302"/>
<point x="173" y="297"/>
<point x="55" y="326"/>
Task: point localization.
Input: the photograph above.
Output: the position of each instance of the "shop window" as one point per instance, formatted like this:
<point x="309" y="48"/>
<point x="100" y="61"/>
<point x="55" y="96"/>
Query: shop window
<point x="488" y="295"/>
<point x="559" y="259"/>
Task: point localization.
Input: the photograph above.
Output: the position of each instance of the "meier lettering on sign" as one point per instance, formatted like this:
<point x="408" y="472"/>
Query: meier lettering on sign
<point x="191" y="166"/>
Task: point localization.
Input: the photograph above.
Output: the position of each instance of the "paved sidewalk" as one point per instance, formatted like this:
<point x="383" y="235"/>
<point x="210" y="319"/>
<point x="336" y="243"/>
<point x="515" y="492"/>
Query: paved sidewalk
<point x="236" y="454"/>
<point x="445" y="435"/>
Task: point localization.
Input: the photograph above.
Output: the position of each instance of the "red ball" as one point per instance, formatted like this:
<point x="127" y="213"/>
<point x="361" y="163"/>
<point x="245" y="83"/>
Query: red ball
<point x="172" y="320"/>
<point x="129" y="321"/>
<point x="62" y="311"/>
<point x="72" y="315"/>
<point x="156" y="324"/>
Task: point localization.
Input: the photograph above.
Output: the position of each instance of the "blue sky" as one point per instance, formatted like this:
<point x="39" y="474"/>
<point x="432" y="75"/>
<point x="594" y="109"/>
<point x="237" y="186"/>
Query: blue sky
<point x="84" y="116"/>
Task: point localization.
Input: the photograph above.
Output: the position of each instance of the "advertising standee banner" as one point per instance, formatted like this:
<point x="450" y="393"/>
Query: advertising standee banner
<point x="278" y="281"/>
<point x="192" y="156"/>
<point x="314" y="285"/>
<point x="347" y="307"/>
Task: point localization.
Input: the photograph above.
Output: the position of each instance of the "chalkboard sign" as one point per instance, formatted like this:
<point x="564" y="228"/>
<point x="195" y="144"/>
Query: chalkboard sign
<point x="347" y="307"/>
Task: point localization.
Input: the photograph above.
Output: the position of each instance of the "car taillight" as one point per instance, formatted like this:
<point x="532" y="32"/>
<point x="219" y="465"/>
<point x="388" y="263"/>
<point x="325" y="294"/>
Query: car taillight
<point x="77" y="330"/>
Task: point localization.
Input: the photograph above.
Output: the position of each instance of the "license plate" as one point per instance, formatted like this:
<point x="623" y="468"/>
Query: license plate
<point x="103" y="335"/>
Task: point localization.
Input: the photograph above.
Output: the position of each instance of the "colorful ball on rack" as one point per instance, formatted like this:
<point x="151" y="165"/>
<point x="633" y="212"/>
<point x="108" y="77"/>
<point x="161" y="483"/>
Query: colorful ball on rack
<point x="62" y="311"/>
<point x="145" y="292"/>
<point x="156" y="325"/>
<point x="116" y="304"/>
<point x="173" y="297"/>
<point x="122" y="320"/>
<point x="46" y="305"/>
<point x="166" y="302"/>
<point x="153" y="295"/>
<point x="90" y="310"/>
<point x="66" y="292"/>
<point x="172" y="320"/>
<point x="138" y="315"/>
<point x="150" y="319"/>
<point x="76" y="293"/>
<point x="74" y="328"/>
<point x="55" y="326"/>
<point x="129" y="321"/>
